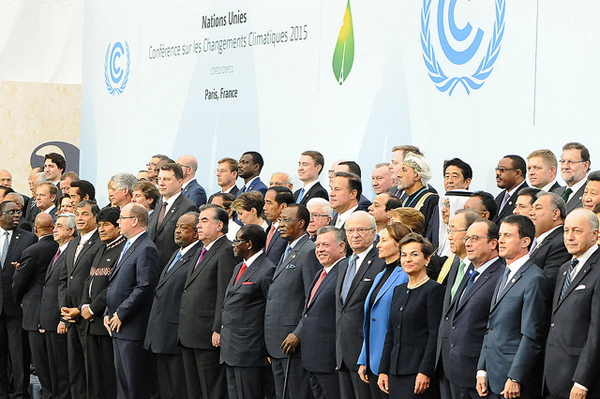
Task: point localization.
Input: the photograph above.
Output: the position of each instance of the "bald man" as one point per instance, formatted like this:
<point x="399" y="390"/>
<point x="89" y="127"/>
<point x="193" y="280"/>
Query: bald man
<point x="191" y="188"/>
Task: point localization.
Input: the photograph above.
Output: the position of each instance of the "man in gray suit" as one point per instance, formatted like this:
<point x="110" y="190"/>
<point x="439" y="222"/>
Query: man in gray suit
<point x="287" y="295"/>
<point x="574" y="165"/>
<point x="511" y="356"/>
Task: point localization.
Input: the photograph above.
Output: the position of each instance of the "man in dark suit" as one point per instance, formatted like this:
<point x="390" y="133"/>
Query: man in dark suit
<point x="346" y="189"/>
<point x="525" y="199"/>
<point x="79" y="255"/>
<point x="54" y="166"/>
<point x="310" y="166"/>
<point x="98" y="350"/>
<point x="45" y="199"/>
<point x="356" y="275"/>
<point x="287" y="297"/>
<point x="170" y="207"/>
<point x="161" y="334"/>
<point x="574" y="165"/>
<point x="276" y="199"/>
<point x="201" y="306"/>
<point x="354" y="168"/>
<point x="484" y="204"/>
<point x="51" y="325"/>
<point x="227" y="173"/>
<point x="191" y="188"/>
<point x="510" y="364"/>
<point x="242" y="332"/>
<point x="318" y="322"/>
<point x="510" y="176"/>
<point x="548" y="250"/>
<point x="250" y="166"/>
<point x="13" y="241"/>
<point x="28" y="283"/>
<point x="541" y="170"/>
<point x="463" y="325"/>
<point x="128" y="302"/>
<point x="571" y="364"/>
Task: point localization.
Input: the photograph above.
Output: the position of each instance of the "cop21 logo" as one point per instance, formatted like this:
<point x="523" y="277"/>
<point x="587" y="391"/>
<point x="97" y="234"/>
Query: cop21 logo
<point x="464" y="60"/>
<point x="116" y="67"/>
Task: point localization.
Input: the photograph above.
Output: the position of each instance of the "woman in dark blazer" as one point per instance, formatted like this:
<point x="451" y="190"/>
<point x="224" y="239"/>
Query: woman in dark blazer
<point x="408" y="360"/>
<point x="377" y="305"/>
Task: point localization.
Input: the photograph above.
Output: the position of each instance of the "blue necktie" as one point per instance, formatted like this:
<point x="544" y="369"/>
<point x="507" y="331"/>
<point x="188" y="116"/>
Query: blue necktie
<point x="567" y="282"/>
<point x="474" y="274"/>
<point x="350" y="273"/>
<point x="503" y="282"/>
<point x="177" y="257"/>
<point x="300" y="196"/>
<point x="123" y="252"/>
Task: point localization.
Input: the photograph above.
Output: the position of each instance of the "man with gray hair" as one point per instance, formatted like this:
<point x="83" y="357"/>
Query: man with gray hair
<point x="356" y="275"/>
<point x="281" y="179"/>
<point x="548" y="249"/>
<point x="321" y="214"/>
<point x="381" y="178"/>
<point x="120" y="189"/>
<point x="191" y="188"/>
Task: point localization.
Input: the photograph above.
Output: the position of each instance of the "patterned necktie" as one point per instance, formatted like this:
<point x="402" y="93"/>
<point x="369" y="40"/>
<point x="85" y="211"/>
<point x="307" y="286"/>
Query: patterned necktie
<point x="300" y="196"/>
<point x="566" y="194"/>
<point x="5" y="247"/>
<point x="78" y="250"/>
<point x="459" y="276"/>
<point x="202" y="253"/>
<point x="504" y="201"/>
<point x="350" y="273"/>
<point x="503" y="282"/>
<point x="177" y="257"/>
<point x="316" y="287"/>
<point x="568" y="277"/>
<point x="242" y="270"/>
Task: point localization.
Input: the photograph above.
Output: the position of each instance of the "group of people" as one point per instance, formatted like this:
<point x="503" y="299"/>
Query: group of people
<point x="266" y="292"/>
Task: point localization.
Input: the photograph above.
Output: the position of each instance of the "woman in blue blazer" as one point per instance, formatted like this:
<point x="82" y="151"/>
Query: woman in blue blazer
<point x="377" y="305"/>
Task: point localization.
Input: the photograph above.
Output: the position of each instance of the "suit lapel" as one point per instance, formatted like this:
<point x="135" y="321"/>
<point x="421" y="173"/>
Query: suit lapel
<point x="250" y="271"/>
<point x="475" y="287"/>
<point x="126" y="255"/>
<point x="388" y="284"/>
<point x="85" y="248"/>
<point x="360" y="274"/>
<point x="195" y="271"/>
<point x="585" y="269"/>
<point x="52" y="268"/>
<point x="328" y="279"/>
<point x="290" y="258"/>
<point x="509" y="285"/>
<point x="169" y="214"/>
<point x="167" y="274"/>
<point x="12" y="245"/>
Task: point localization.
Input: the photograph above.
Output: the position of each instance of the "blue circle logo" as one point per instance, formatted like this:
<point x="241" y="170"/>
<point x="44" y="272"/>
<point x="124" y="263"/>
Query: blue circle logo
<point x="446" y="23"/>
<point x="116" y="67"/>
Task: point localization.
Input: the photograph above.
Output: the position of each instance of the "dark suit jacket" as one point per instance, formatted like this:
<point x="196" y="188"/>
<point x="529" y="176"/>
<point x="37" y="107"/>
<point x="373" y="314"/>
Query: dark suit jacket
<point x="445" y="326"/>
<point x="162" y="234"/>
<point x="20" y="240"/>
<point x="318" y="326"/>
<point x="350" y="314"/>
<point x="514" y="341"/>
<point x="49" y="309"/>
<point x="276" y="247"/>
<point x="73" y="275"/>
<point x="287" y="295"/>
<point x="234" y="191"/>
<point x="256" y="185"/>
<point x="462" y="328"/>
<point x="555" y="187"/>
<point x="161" y="334"/>
<point x="98" y="277"/>
<point x="575" y="200"/>
<point x="28" y="280"/>
<point x="411" y="338"/>
<point x="551" y="254"/>
<point x="573" y="345"/>
<point x="316" y="191"/>
<point x="363" y="203"/>
<point x="203" y="294"/>
<point x="510" y="204"/>
<point x="195" y="192"/>
<point x="243" y="318"/>
<point x="130" y="288"/>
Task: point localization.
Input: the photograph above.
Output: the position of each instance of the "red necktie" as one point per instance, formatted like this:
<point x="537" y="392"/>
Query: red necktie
<point x="161" y="215"/>
<point x="242" y="270"/>
<point x="316" y="287"/>
<point x="270" y="236"/>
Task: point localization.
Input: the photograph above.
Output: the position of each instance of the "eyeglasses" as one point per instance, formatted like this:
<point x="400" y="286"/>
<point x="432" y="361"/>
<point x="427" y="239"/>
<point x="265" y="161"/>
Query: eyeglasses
<point x="286" y="220"/>
<point x="502" y="170"/>
<point x="360" y="230"/>
<point x="13" y="212"/>
<point x="184" y="166"/>
<point x="568" y="162"/>
<point x="474" y="238"/>
<point x="127" y="217"/>
<point x="318" y="215"/>
<point x="454" y="231"/>
<point x="238" y="241"/>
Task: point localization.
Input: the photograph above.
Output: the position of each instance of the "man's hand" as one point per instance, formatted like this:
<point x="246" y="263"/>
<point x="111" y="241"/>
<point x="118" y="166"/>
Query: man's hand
<point x="115" y="323"/>
<point x="362" y="373"/>
<point x="216" y="339"/>
<point x="383" y="383"/>
<point x="290" y="343"/>
<point x="69" y="313"/>
<point x="61" y="328"/>
<point x="421" y="383"/>
<point x="482" y="386"/>
<point x="511" y="389"/>
<point x="577" y="393"/>
<point x="86" y="314"/>
<point x="107" y="325"/>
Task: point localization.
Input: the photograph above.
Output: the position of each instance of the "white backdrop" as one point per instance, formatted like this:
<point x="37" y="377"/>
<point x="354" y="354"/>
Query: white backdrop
<point x="540" y="93"/>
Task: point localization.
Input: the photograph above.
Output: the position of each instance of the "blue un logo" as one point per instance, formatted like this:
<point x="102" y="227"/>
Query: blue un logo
<point x="467" y="54"/>
<point x="116" y="67"/>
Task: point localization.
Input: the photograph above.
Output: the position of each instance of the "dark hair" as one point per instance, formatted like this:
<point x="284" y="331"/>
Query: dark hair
<point x="148" y="189"/>
<point x="492" y="228"/>
<point x="110" y="214"/>
<point x="352" y="167"/>
<point x="3" y="205"/>
<point x="530" y="192"/>
<point x="354" y="182"/>
<point x="84" y="188"/>
<point x="524" y="225"/>
<point x="585" y="154"/>
<point x="317" y="157"/>
<point x="488" y="201"/>
<point x="257" y="159"/>
<point x="594" y="176"/>
<point x="283" y="195"/>
<point x="173" y="167"/>
<point x="392" y="203"/>
<point x="518" y="163"/>
<point x="255" y="234"/>
<point x="228" y="199"/>
<point x="219" y="215"/>
<point x="302" y="213"/>
<point x="161" y="157"/>
<point x="464" y="167"/>
<point x="93" y="206"/>
<point x="398" y="231"/>
<point x="57" y="159"/>
<point x="426" y="247"/>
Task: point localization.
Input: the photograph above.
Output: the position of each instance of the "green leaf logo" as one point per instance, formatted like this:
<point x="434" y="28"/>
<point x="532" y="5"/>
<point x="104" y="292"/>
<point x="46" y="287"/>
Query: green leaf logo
<point x="343" y="56"/>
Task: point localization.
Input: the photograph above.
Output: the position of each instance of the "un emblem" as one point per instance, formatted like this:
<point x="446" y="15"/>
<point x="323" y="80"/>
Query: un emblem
<point x="466" y="68"/>
<point x="116" y="67"/>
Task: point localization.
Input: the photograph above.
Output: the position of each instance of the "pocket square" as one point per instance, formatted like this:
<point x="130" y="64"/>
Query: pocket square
<point x="581" y="287"/>
<point x="290" y="266"/>
<point x="247" y="283"/>
<point x="366" y="279"/>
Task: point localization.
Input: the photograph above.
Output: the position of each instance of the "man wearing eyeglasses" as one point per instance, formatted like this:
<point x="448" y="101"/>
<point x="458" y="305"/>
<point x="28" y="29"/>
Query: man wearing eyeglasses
<point x="277" y="198"/>
<point x="510" y="176"/>
<point x="356" y="275"/>
<point x="466" y="319"/>
<point x="321" y="214"/>
<point x="574" y="166"/>
<point x="191" y="188"/>
<point x="13" y="241"/>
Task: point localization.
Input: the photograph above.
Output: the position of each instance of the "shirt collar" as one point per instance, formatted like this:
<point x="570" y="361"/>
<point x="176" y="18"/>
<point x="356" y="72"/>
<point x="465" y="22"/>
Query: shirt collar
<point x="342" y="217"/>
<point x="186" y="249"/>
<point x="361" y="256"/>
<point x="209" y="246"/>
<point x="543" y="236"/>
<point x="516" y="189"/>
<point x="135" y="237"/>
<point x="487" y="264"/>
<point x="586" y="255"/>
<point x="548" y="186"/>
<point x="251" y="259"/>
<point x="310" y="185"/>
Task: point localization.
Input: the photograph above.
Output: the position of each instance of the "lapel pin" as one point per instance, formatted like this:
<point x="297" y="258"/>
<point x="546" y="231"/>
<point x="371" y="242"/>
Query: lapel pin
<point x="369" y="261"/>
<point x="513" y="280"/>
<point x="108" y="260"/>
<point x="509" y="202"/>
<point x="293" y="256"/>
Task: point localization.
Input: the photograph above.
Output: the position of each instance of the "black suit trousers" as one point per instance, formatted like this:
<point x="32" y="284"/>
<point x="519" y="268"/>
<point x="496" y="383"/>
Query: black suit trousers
<point x="298" y="381"/>
<point x="204" y="375"/>
<point x="13" y="344"/>
<point x="39" y="356"/>
<point x="245" y="382"/>
<point x="132" y="369"/>
<point x="77" y="378"/>
<point x="56" y="344"/>
<point x="171" y="376"/>
<point x="351" y="386"/>
<point x="100" y="365"/>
